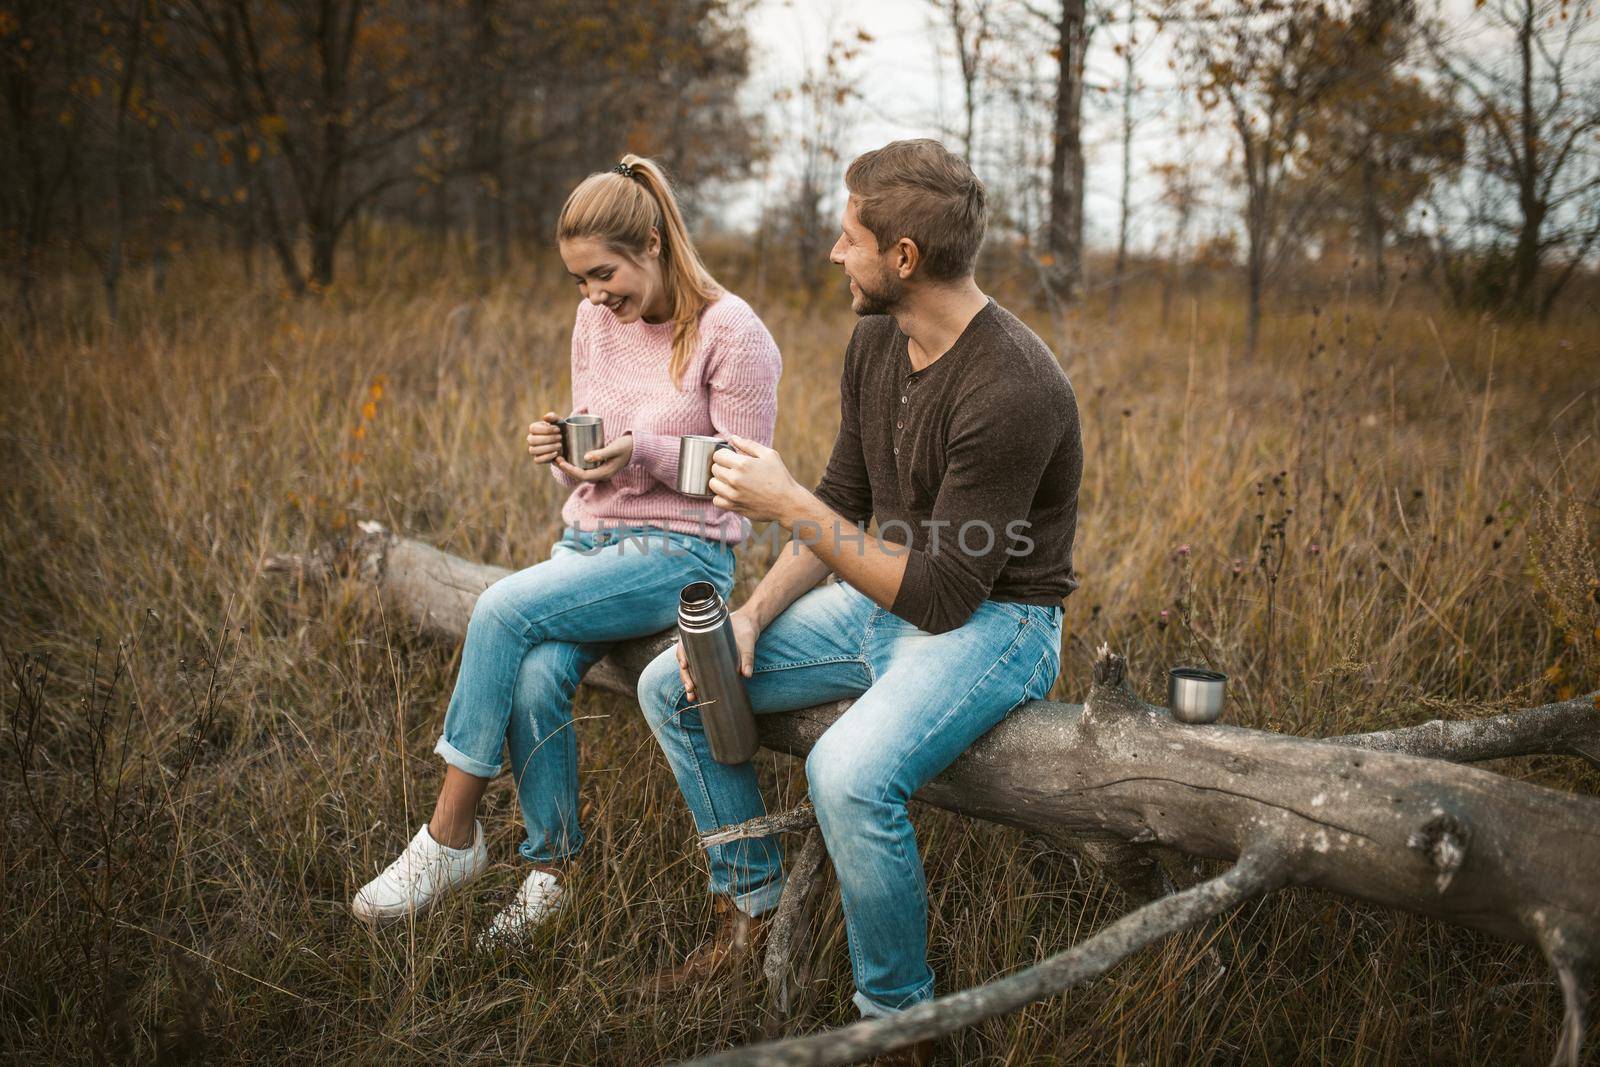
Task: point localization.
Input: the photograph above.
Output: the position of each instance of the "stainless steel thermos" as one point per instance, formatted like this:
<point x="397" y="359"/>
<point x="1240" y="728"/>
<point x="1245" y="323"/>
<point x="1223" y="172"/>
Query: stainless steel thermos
<point x="580" y="434"/>
<point x="694" y="462"/>
<point x="713" y="656"/>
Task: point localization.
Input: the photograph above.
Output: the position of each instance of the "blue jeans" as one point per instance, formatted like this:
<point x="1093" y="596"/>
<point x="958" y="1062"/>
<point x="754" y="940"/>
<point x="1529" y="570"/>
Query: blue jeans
<point x="921" y="700"/>
<point x="532" y="636"/>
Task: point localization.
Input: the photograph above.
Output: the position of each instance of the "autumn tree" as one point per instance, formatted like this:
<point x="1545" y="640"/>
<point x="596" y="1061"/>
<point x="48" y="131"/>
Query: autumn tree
<point x="120" y="97"/>
<point x="1381" y="136"/>
<point x="1269" y="67"/>
<point x="669" y="72"/>
<point x="1129" y="48"/>
<point x="1373" y="151"/>
<point x="322" y="95"/>
<point x="1181" y="197"/>
<point x="1534" y="103"/>
<point x="821" y="107"/>
<point x="289" y="124"/>
<point x="969" y="25"/>
<point x="1064" y="243"/>
<point x="43" y="57"/>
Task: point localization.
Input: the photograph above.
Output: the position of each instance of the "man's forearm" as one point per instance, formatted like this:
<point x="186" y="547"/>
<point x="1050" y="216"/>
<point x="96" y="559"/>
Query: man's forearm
<point x="797" y="572"/>
<point x="873" y="567"/>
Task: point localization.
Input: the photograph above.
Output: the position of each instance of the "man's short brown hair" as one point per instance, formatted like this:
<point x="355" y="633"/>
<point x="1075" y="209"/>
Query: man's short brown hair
<point x="921" y="190"/>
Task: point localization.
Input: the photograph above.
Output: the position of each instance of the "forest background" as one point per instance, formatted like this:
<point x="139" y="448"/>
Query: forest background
<point x="274" y="267"/>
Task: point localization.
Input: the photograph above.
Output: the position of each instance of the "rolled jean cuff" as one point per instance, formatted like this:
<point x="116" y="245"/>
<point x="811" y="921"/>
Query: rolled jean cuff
<point x="870" y="1008"/>
<point x="463" y="762"/>
<point x="760" y="901"/>
<point x="532" y="855"/>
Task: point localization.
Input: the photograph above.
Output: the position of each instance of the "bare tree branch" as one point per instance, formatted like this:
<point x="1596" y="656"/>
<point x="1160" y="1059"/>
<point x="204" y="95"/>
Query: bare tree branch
<point x="1570" y="727"/>
<point x="1263" y="867"/>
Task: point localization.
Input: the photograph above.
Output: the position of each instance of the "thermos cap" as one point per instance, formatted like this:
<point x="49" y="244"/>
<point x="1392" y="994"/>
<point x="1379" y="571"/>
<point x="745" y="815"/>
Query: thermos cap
<point x="1194" y="694"/>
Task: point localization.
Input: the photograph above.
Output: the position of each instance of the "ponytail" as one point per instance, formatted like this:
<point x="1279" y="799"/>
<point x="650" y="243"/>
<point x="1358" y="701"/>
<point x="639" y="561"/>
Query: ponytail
<point x="619" y="207"/>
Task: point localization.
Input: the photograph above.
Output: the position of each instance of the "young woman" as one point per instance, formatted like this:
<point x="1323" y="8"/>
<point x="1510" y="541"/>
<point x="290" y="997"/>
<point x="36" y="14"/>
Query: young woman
<point x="659" y="350"/>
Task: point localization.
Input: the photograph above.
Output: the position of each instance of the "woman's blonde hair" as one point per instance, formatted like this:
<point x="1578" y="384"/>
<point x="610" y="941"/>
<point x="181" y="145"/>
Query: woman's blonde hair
<point x="619" y="207"/>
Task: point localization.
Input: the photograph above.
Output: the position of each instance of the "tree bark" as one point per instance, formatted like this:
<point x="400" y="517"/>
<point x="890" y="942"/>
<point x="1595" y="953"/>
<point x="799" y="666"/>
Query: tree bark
<point x="1570" y="727"/>
<point x="1371" y="817"/>
<point x="1065" y="242"/>
<point x="1124" y="200"/>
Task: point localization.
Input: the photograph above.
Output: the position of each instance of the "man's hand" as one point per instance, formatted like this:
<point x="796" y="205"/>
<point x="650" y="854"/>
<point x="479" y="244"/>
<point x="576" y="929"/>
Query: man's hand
<point x="754" y="482"/>
<point x="745" y="633"/>
<point x="613" y="458"/>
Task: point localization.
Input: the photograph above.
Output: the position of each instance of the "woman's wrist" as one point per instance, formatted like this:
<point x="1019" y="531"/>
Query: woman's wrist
<point x="656" y="454"/>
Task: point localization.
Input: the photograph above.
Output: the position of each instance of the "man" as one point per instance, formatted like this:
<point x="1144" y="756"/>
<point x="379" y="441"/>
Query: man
<point x="959" y="434"/>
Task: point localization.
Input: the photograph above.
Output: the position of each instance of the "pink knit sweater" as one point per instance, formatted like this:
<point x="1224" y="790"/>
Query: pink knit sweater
<point x="619" y="372"/>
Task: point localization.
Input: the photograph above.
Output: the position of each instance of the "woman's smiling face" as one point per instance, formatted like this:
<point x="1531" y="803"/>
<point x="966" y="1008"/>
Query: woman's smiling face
<point x="607" y="277"/>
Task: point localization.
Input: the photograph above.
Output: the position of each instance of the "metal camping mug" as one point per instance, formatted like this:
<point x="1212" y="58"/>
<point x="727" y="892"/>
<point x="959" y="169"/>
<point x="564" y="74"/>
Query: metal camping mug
<point x="713" y="655"/>
<point x="694" y="463"/>
<point x="580" y="434"/>
<point x="1195" y="694"/>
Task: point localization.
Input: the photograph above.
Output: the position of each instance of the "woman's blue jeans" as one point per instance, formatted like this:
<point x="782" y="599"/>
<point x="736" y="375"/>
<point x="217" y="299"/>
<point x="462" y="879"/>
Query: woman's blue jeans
<point x="921" y="700"/>
<point x="532" y="636"/>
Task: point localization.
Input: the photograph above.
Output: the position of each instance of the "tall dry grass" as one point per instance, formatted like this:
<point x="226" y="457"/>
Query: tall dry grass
<point x="1390" y="515"/>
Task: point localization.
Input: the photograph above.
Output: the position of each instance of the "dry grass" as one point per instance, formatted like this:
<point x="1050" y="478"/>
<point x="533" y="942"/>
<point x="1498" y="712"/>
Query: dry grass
<point x="1389" y="516"/>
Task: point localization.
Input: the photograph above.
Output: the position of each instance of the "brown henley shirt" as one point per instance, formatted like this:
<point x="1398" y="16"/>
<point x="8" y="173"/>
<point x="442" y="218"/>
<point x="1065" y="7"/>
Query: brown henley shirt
<point x="973" y="461"/>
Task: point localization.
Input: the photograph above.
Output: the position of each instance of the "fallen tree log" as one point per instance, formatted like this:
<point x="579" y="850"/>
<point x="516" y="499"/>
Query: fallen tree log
<point x="1373" y="817"/>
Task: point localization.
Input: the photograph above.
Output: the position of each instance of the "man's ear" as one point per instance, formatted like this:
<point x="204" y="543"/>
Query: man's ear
<point x="906" y="257"/>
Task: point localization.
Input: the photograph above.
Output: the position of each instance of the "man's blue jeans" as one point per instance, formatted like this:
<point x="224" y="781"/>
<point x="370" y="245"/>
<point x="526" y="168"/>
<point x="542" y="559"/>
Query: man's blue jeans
<point x="532" y="636"/>
<point x="922" y="699"/>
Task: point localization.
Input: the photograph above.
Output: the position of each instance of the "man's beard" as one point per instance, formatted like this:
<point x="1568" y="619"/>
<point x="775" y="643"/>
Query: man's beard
<point x="883" y="300"/>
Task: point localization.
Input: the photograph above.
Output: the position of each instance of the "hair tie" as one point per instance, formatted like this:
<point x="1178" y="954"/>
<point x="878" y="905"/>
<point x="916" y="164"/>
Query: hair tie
<point x="623" y="169"/>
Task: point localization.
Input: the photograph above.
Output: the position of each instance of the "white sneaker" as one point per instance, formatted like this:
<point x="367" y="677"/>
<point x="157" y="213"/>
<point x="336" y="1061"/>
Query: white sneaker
<point x="538" y="899"/>
<point x="425" y="871"/>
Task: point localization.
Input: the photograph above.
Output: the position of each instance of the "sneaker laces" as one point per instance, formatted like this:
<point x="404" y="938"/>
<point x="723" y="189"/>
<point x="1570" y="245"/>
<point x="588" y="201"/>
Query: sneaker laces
<point x="414" y="864"/>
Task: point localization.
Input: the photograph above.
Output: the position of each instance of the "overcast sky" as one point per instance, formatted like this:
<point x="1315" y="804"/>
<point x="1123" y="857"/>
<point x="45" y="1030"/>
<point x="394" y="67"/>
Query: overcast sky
<point x="910" y="83"/>
<point x="910" y="87"/>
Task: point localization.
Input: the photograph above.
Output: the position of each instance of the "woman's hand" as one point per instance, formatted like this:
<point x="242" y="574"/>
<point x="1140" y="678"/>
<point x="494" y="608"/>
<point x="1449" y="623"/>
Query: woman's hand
<point x="612" y="458"/>
<point x="745" y="634"/>
<point x="544" y="438"/>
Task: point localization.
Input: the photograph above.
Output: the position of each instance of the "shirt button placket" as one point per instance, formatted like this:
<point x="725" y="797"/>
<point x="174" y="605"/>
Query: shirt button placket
<point x="905" y="398"/>
<point x="900" y="424"/>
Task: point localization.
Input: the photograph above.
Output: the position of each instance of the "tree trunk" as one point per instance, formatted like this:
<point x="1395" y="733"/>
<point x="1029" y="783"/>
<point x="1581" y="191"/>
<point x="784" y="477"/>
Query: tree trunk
<point x="1258" y="222"/>
<point x="486" y="137"/>
<point x="1255" y="282"/>
<point x="111" y="269"/>
<point x="324" y="245"/>
<point x="1065" y="242"/>
<point x="1373" y="225"/>
<point x="1526" y="254"/>
<point x="1125" y="199"/>
<point x="1371" y="817"/>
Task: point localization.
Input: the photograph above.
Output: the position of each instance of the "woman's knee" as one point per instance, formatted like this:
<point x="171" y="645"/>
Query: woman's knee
<point x="661" y="689"/>
<point x="550" y="673"/>
<point x="513" y="602"/>
<point x="491" y="605"/>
